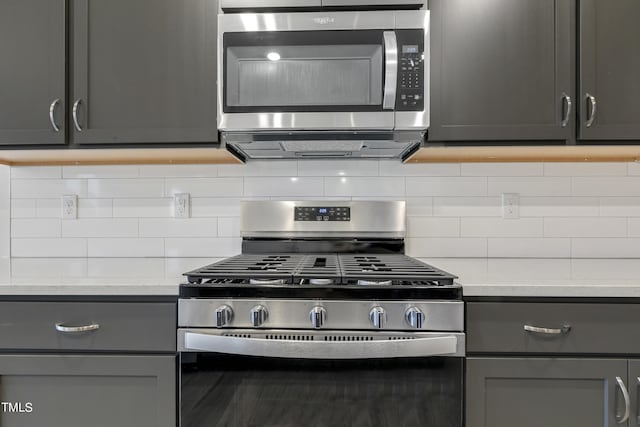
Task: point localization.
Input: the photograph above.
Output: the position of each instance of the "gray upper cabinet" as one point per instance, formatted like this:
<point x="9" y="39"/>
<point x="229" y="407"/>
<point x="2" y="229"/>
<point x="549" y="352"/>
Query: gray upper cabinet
<point x="530" y="392"/>
<point x="32" y="72"/>
<point x="609" y="70"/>
<point x="144" y="71"/>
<point x="502" y="70"/>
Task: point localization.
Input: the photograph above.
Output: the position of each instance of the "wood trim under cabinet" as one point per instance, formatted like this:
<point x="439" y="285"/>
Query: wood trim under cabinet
<point x="572" y="153"/>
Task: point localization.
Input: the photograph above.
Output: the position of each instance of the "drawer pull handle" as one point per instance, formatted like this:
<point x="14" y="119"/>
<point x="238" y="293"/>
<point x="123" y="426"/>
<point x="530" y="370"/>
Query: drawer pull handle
<point x="549" y="331"/>
<point x="62" y="328"/>
<point x="627" y="402"/>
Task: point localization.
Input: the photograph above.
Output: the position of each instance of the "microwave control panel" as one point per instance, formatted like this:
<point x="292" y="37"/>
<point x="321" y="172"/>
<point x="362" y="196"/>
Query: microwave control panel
<point x="410" y="93"/>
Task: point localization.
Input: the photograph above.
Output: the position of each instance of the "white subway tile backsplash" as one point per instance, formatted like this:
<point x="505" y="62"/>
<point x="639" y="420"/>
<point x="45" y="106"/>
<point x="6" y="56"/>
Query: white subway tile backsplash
<point x="559" y="206"/>
<point x="125" y="267"/>
<point x="143" y="208"/>
<point x="177" y="171"/>
<point x="419" y="206"/>
<point x="338" y="168"/>
<point x="102" y="171"/>
<point x="177" y="266"/>
<point x="420" y="226"/>
<point x="502" y="169"/>
<point x="23" y="208"/>
<point x="35" y="227"/>
<point x="498" y="227"/>
<point x="204" y="187"/>
<point x="178" y="227"/>
<point x="95" y="208"/>
<point x="125" y="247"/>
<point x="276" y="186"/>
<point x="529" y="247"/>
<point x="605" y="248"/>
<point x="360" y="186"/>
<point x="396" y="168"/>
<point x="585" y="227"/>
<point x="202" y="247"/>
<point x="47" y="188"/>
<point x="261" y="168"/>
<point x="453" y="186"/>
<point x="620" y="206"/>
<point x="229" y="227"/>
<point x="100" y="227"/>
<point x="604" y="186"/>
<point x="215" y="206"/>
<point x="122" y="188"/>
<point x="49" y="248"/>
<point x="36" y="172"/>
<point x="467" y="206"/>
<point x="585" y="169"/>
<point x="446" y="247"/>
<point x="453" y="210"/>
<point x="530" y="186"/>
<point x="49" y="267"/>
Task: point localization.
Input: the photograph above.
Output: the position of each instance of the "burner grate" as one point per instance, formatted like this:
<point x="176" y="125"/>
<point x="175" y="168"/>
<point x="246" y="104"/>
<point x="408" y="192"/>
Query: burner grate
<point x="401" y="270"/>
<point x="246" y="267"/>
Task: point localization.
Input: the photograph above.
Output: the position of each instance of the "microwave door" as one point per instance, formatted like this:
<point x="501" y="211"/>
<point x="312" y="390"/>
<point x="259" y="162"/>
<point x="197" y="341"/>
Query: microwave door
<point x="308" y="80"/>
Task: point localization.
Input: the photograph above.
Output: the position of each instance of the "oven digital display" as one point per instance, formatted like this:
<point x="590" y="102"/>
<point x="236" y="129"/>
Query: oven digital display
<point x="317" y="213"/>
<point x="410" y="48"/>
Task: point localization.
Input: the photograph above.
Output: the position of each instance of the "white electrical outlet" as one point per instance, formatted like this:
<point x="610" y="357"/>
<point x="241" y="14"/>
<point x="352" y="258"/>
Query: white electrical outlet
<point x="182" y="205"/>
<point x="70" y="206"/>
<point x="510" y="205"/>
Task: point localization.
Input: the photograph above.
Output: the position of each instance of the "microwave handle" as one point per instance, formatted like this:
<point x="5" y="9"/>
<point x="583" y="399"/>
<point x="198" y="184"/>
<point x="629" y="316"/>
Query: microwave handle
<point x="391" y="70"/>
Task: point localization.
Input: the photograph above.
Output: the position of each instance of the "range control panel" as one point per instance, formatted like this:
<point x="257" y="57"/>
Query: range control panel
<point x="328" y="213"/>
<point x="411" y="89"/>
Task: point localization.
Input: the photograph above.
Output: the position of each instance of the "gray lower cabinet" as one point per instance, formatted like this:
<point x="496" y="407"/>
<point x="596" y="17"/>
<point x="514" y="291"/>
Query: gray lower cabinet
<point x="82" y="390"/>
<point x="609" y="68"/>
<point x="143" y="71"/>
<point x="32" y="72"/>
<point x="502" y="70"/>
<point x="537" y="392"/>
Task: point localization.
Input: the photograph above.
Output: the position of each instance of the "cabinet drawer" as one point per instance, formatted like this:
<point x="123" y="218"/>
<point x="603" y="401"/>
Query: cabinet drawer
<point x="594" y="328"/>
<point x="121" y="326"/>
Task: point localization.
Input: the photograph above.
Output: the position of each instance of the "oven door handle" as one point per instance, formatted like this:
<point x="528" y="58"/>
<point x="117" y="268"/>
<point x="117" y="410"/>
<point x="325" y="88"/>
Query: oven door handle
<point x="391" y="70"/>
<point x="294" y="349"/>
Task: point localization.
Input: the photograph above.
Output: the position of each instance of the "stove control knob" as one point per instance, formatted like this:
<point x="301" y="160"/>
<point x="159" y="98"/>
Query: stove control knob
<point x="414" y="317"/>
<point x="259" y="315"/>
<point x="224" y="314"/>
<point x="378" y="317"/>
<point x="318" y="315"/>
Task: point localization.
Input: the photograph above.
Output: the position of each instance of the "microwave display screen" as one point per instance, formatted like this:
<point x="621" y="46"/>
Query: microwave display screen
<point x="412" y="48"/>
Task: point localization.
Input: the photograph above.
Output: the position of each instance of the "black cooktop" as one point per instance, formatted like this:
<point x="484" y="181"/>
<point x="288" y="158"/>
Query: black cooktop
<point x="339" y="276"/>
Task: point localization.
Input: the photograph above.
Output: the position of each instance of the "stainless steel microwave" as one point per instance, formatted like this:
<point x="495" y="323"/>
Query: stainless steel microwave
<point x="323" y="71"/>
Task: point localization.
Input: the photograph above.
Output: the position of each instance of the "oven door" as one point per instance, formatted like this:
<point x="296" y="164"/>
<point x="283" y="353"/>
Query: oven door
<point x="296" y="378"/>
<point x="307" y="71"/>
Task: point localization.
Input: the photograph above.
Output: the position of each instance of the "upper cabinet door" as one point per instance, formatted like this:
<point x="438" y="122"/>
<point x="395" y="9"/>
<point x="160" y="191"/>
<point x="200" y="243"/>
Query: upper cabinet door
<point x="609" y="69"/>
<point x="144" y="71"/>
<point x="502" y="70"/>
<point x="32" y="72"/>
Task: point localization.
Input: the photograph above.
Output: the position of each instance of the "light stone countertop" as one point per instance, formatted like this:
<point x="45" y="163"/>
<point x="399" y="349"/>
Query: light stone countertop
<point x="544" y="277"/>
<point x="481" y="277"/>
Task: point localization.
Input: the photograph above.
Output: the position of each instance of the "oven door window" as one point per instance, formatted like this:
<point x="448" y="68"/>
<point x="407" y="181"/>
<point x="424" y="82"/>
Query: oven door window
<point x="297" y="71"/>
<point x="239" y="391"/>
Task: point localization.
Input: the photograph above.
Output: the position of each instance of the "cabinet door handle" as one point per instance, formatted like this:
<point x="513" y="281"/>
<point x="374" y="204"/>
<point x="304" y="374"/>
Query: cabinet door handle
<point x="74" y="112"/>
<point x="591" y="114"/>
<point x="61" y="327"/>
<point x="627" y="402"/>
<point x="52" y="111"/>
<point x="566" y="99"/>
<point x="549" y="331"/>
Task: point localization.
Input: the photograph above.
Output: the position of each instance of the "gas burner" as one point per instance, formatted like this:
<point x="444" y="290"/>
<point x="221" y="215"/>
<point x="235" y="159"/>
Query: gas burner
<point x="374" y="282"/>
<point x="266" y="281"/>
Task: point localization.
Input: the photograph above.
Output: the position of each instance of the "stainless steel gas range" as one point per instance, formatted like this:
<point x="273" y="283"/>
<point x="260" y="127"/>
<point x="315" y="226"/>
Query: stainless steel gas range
<point x="323" y="321"/>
